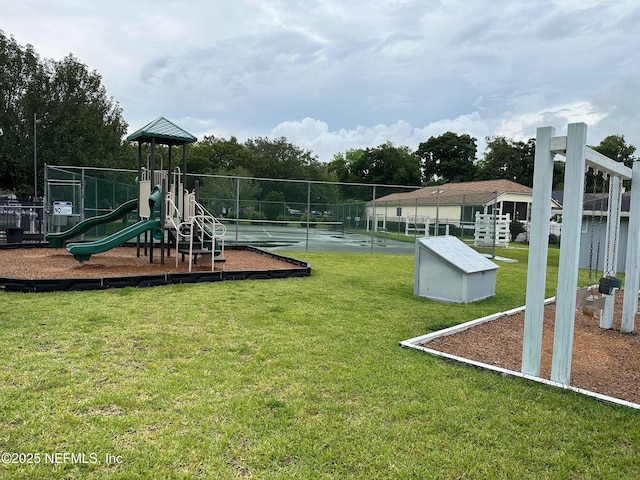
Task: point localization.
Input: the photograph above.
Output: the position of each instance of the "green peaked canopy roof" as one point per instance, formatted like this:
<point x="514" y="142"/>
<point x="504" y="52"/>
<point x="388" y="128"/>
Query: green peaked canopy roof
<point x="164" y="132"/>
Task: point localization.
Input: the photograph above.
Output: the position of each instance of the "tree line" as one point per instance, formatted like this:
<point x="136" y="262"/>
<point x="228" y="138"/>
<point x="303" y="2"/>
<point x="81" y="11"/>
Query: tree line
<point x="59" y="113"/>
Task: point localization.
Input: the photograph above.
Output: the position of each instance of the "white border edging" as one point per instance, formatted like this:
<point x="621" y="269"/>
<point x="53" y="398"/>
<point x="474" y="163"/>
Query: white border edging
<point x="417" y="343"/>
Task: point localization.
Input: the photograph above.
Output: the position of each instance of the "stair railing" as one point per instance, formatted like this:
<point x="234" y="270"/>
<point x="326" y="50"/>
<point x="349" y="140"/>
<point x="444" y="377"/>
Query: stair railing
<point x="200" y="224"/>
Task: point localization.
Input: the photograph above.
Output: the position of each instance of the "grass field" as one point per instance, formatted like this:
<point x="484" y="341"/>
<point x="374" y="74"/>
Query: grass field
<point x="296" y="378"/>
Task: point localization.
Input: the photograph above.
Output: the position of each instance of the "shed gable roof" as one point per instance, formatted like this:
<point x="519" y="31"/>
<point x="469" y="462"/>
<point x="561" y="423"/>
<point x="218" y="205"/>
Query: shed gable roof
<point x="457" y="254"/>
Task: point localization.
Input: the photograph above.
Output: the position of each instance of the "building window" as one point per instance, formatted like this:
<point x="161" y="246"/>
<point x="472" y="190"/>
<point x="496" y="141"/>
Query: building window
<point x="398" y="211"/>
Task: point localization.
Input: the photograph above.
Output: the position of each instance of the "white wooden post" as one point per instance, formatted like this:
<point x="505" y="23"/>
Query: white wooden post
<point x="632" y="262"/>
<point x="569" y="253"/>
<point x="538" y="250"/>
<point x="611" y="244"/>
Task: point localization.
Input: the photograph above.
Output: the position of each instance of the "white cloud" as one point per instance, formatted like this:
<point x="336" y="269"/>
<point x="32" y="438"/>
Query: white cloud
<point x="333" y="75"/>
<point x="316" y="136"/>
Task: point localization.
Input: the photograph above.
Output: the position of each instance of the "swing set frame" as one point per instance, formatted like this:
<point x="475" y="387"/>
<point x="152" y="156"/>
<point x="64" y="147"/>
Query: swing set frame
<point x="608" y="283"/>
<point x="578" y="158"/>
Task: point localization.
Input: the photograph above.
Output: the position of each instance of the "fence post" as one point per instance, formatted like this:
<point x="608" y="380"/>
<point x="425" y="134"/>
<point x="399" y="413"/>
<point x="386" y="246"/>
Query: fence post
<point x="495" y="212"/>
<point x="415" y="217"/>
<point x="374" y="218"/>
<point x="306" y="248"/>
<point x="45" y="198"/>
<point x="237" y="206"/>
<point x="437" y="228"/>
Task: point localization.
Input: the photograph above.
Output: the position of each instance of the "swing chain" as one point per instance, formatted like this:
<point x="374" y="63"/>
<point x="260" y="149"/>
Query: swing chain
<point x="592" y="228"/>
<point x="599" y="220"/>
<point x="616" y="226"/>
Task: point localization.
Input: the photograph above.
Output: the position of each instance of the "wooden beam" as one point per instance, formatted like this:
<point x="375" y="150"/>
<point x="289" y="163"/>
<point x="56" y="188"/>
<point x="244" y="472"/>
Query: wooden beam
<point x="538" y="252"/>
<point x="569" y="253"/>
<point x="632" y="262"/>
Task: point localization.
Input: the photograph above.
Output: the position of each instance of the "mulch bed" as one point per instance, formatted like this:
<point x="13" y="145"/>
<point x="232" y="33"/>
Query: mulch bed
<point x="40" y="263"/>
<point x="603" y="361"/>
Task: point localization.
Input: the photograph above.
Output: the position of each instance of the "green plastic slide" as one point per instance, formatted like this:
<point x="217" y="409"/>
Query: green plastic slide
<point x="56" y="240"/>
<point x="83" y="251"/>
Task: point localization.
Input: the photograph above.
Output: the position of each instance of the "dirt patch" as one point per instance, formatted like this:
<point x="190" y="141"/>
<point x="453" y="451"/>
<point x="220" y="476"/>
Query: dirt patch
<point x="40" y="263"/>
<point x="603" y="361"/>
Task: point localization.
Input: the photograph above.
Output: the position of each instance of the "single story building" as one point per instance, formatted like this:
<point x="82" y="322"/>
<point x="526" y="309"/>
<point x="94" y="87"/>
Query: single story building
<point x="595" y="215"/>
<point x="453" y="204"/>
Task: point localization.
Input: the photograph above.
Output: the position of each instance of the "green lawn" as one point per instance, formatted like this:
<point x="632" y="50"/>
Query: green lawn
<point x="296" y="378"/>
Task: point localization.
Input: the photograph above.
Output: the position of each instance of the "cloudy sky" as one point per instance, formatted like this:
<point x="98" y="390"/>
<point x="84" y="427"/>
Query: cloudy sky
<point x="332" y="75"/>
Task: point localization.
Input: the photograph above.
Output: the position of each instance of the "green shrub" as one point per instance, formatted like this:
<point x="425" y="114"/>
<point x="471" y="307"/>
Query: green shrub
<point x="442" y="229"/>
<point x="455" y="230"/>
<point x="257" y="216"/>
<point x="312" y="221"/>
<point x="516" y="228"/>
<point x="274" y="205"/>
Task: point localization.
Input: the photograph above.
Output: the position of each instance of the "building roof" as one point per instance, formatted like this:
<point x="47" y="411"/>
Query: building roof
<point x="474" y="193"/>
<point x="162" y="131"/>
<point x="598" y="202"/>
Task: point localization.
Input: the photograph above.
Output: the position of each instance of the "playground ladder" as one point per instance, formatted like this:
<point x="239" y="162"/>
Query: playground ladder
<point x="201" y="230"/>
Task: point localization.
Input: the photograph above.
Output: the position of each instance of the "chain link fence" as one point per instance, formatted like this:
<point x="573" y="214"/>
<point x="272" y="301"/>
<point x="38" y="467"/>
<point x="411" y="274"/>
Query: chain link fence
<point x="273" y="213"/>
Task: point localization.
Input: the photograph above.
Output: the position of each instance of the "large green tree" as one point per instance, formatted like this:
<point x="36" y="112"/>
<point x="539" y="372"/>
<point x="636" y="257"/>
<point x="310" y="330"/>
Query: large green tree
<point x="615" y="147"/>
<point x="341" y="165"/>
<point x="213" y="155"/>
<point x="507" y="159"/>
<point x="280" y="159"/>
<point x="21" y="74"/>
<point x="448" y="158"/>
<point x="385" y="164"/>
<point x="229" y="187"/>
<point x="80" y="124"/>
<point x="57" y="110"/>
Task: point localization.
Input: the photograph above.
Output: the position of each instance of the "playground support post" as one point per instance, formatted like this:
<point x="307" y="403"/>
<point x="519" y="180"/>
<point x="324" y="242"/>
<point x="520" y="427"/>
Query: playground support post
<point x="138" y="180"/>
<point x="152" y="165"/>
<point x="611" y="250"/>
<point x="163" y="214"/>
<point x="537" y="268"/>
<point x="569" y="252"/>
<point x="184" y="169"/>
<point x="632" y="262"/>
<point x="578" y="156"/>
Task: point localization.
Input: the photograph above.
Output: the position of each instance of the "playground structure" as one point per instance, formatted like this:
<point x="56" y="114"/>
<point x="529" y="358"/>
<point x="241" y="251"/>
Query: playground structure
<point x="166" y="209"/>
<point x="579" y="158"/>
<point x="56" y="240"/>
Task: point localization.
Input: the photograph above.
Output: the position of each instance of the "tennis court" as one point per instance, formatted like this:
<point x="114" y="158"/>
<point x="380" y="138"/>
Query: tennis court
<point x="273" y="237"/>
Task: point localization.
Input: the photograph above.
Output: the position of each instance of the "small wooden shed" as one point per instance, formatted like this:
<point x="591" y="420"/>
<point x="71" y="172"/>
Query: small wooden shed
<point x="448" y="270"/>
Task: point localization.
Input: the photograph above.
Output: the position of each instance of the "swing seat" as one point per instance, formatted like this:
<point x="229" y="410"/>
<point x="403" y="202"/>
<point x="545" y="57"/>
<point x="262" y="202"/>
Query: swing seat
<point x="589" y="303"/>
<point x="609" y="284"/>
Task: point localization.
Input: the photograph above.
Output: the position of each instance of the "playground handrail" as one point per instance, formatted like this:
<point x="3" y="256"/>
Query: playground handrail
<point x="207" y="227"/>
